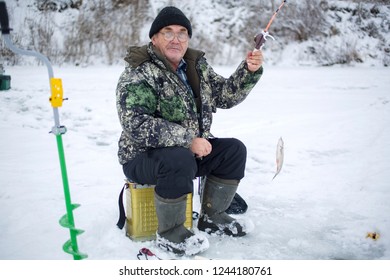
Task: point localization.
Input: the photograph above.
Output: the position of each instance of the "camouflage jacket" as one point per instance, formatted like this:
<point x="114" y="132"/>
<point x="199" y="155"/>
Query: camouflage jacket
<point x="157" y="110"/>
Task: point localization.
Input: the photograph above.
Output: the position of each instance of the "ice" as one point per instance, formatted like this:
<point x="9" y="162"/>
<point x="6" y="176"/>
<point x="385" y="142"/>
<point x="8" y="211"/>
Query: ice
<point x="333" y="188"/>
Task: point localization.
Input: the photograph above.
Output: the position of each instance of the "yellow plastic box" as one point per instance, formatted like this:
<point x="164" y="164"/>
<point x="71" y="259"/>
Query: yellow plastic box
<point x="141" y="218"/>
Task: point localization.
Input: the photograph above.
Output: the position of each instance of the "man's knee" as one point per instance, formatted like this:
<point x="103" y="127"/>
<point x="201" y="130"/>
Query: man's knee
<point x="237" y="148"/>
<point x="231" y="159"/>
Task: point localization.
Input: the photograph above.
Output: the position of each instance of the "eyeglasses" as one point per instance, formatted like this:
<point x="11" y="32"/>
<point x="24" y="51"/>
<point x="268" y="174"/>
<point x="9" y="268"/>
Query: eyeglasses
<point x="170" y="35"/>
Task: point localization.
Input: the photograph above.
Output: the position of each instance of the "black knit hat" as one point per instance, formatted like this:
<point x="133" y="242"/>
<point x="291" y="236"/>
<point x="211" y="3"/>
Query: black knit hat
<point x="170" y="16"/>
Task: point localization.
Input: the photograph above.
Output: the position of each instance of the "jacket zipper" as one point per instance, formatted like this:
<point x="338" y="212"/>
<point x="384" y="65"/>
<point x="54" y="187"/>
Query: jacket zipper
<point x="190" y="92"/>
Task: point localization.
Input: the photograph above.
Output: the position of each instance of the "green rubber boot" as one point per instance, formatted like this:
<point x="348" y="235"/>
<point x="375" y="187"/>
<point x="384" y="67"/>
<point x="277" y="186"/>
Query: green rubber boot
<point x="172" y="235"/>
<point x="217" y="197"/>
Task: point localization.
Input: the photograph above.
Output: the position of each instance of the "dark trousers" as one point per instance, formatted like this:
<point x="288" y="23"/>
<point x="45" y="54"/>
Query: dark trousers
<point x="173" y="169"/>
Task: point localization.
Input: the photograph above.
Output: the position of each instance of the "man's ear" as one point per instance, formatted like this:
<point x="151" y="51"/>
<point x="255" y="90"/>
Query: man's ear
<point x="154" y="39"/>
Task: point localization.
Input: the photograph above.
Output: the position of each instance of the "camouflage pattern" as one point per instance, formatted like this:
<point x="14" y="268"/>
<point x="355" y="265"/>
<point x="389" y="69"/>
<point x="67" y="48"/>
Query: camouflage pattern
<point x="155" y="108"/>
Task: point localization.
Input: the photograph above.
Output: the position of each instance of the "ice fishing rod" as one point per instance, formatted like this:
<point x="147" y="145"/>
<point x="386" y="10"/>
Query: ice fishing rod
<point x="263" y="36"/>
<point x="58" y="130"/>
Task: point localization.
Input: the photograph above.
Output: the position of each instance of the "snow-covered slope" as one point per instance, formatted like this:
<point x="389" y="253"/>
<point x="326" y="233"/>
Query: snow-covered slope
<point x="309" y="32"/>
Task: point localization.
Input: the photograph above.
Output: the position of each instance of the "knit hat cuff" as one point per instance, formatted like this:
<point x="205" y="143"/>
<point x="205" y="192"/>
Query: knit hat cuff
<point x="170" y="16"/>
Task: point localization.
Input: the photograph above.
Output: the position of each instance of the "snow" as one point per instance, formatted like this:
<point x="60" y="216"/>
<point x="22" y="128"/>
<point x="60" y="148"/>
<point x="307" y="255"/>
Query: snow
<point x="333" y="188"/>
<point x="193" y="245"/>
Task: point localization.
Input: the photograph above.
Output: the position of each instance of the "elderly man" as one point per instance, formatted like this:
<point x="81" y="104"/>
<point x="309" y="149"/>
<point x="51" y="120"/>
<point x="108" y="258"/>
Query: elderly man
<point x="165" y="99"/>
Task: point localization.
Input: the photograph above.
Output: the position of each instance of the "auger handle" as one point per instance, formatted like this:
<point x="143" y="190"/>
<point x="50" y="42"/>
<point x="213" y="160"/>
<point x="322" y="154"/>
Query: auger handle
<point x="4" y="18"/>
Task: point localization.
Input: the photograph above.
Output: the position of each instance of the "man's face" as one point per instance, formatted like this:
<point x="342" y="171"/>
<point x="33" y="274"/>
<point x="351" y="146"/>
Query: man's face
<point x="172" y="48"/>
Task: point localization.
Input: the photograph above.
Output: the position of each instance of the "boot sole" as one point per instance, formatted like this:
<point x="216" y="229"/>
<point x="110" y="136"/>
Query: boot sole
<point x="211" y="228"/>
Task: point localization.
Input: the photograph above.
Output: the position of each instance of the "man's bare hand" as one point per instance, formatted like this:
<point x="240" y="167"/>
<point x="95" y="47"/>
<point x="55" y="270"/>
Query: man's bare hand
<point x="254" y="60"/>
<point x="200" y="147"/>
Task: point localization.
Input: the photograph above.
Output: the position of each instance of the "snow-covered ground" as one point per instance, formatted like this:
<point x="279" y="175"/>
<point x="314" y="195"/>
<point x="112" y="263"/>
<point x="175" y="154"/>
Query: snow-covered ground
<point x="334" y="187"/>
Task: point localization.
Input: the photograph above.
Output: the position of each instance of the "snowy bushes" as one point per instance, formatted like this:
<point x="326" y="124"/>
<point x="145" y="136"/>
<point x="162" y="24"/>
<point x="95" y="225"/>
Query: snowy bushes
<point x="58" y="5"/>
<point x="349" y="33"/>
<point x="102" y="31"/>
<point x="99" y="31"/>
<point x="304" y="20"/>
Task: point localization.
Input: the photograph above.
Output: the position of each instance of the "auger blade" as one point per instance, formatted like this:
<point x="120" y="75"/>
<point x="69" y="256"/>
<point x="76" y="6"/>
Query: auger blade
<point x="68" y="248"/>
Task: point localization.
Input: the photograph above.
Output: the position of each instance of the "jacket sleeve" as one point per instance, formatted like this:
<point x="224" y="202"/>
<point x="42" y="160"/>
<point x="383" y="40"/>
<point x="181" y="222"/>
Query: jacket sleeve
<point x="136" y="104"/>
<point x="228" y="92"/>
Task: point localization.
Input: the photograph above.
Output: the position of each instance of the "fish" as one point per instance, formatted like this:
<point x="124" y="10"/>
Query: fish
<point x="279" y="156"/>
